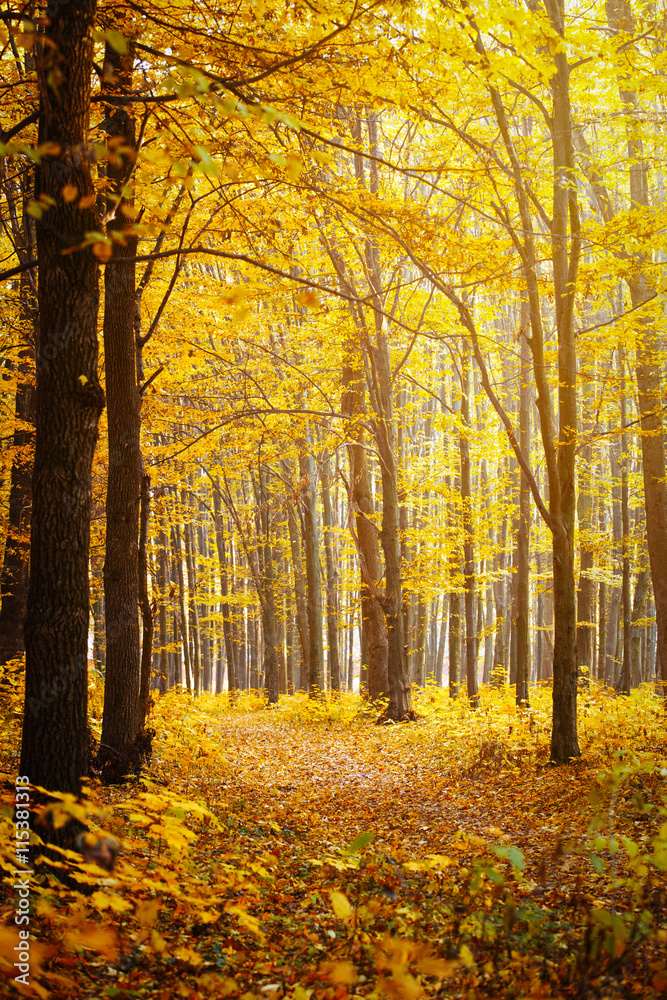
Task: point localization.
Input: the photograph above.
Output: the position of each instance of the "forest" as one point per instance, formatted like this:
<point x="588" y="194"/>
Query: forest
<point x="333" y="499"/>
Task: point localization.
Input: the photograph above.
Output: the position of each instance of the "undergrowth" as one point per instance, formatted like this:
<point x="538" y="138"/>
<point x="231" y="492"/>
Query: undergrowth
<point x="303" y="851"/>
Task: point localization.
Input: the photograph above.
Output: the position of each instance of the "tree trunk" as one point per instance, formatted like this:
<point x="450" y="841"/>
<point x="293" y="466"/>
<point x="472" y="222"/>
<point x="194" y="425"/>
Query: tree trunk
<point x="227" y="631"/>
<point x="193" y="612"/>
<point x="299" y="590"/>
<point x="15" y="566"/>
<point x="144" y="601"/>
<point x="467" y="526"/>
<point x="123" y="708"/>
<point x="311" y="536"/>
<point x="625" y="677"/>
<point x="182" y="619"/>
<point x="353" y="405"/>
<point x="523" y="533"/>
<point x="648" y="363"/>
<point x="332" y="579"/>
<point x="273" y="666"/>
<point x="163" y="587"/>
<point x="68" y="403"/>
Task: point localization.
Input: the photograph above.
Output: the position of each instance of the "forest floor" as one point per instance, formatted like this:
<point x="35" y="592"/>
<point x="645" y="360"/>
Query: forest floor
<point x="306" y="852"/>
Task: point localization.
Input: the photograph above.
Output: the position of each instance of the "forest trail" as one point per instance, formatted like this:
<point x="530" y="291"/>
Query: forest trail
<point x="404" y="782"/>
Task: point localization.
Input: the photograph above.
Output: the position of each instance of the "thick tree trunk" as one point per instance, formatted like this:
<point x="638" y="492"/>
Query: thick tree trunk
<point x="648" y="355"/>
<point x="361" y="513"/>
<point x="68" y="403"/>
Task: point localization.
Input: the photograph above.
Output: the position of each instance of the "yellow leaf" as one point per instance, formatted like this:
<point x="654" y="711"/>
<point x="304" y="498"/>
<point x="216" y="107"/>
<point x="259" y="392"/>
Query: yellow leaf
<point x="158" y="942"/>
<point x="341" y="905"/>
<point x="102" y="251"/>
<point x="103" y="901"/>
<point x="340" y="973"/>
<point x="188" y="955"/>
<point x="308" y="298"/>
<point x="440" y="968"/>
<point x="94" y="938"/>
<point x="465" y="955"/>
<point x="70" y="192"/>
<point x="87" y="201"/>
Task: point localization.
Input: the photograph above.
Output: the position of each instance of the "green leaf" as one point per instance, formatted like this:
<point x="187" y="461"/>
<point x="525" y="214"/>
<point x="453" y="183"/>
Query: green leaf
<point x="513" y="855"/>
<point x="361" y="841"/>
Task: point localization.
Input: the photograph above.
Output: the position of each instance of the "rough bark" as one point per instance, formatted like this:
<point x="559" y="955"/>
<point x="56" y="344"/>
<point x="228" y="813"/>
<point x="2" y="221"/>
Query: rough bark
<point x="15" y="566"/>
<point x="648" y="364"/>
<point x="68" y="403"/>
<point x="122" y="718"/>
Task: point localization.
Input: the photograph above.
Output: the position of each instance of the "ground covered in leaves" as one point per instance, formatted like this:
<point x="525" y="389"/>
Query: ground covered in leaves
<point x="304" y="851"/>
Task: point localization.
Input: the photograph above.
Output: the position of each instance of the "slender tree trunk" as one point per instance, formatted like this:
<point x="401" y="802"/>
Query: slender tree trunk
<point x="193" y="612"/>
<point x="273" y="660"/>
<point x="299" y="590"/>
<point x="332" y="579"/>
<point x="182" y="618"/>
<point x="523" y="532"/>
<point x="124" y="699"/>
<point x="227" y="631"/>
<point x="311" y="536"/>
<point x="625" y="678"/>
<point x="442" y="640"/>
<point x="639" y="601"/>
<point x="144" y="601"/>
<point x="586" y="588"/>
<point x="15" y="566"/>
<point x="467" y="525"/>
<point x="163" y="587"/>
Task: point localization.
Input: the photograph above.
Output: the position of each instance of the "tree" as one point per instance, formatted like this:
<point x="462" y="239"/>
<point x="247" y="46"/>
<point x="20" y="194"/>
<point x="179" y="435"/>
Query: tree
<point x="68" y="403"/>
